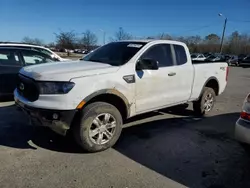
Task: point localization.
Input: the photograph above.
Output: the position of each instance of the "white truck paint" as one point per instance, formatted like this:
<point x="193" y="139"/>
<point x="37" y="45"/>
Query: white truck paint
<point x="142" y="90"/>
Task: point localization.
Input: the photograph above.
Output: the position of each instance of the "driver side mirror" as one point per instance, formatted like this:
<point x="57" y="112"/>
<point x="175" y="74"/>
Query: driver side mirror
<point x="147" y="64"/>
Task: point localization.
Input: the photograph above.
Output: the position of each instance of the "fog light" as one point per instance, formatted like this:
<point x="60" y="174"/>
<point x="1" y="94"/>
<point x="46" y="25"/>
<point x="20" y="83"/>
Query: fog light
<point x="55" y="116"/>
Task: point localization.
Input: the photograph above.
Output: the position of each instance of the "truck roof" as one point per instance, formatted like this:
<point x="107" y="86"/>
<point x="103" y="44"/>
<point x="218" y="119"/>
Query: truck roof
<point x="155" y="41"/>
<point x="20" y="44"/>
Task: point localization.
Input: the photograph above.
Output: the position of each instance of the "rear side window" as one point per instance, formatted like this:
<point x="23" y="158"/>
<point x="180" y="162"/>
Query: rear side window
<point x="180" y="53"/>
<point x="161" y="53"/>
<point x="33" y="57"/>
<point x="9" y="57"/>
<point x="43" y="51"/>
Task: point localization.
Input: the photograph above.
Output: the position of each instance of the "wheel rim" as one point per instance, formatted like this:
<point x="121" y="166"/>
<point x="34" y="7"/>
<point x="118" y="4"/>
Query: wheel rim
<point x="209" y="101"/>
<point x="102" y="128"/>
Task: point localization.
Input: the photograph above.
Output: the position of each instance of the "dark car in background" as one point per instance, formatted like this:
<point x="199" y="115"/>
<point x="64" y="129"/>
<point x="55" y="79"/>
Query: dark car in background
<point x="241" y="57"/>
<point x="215" y="58"/>
<point x="245" y="61"/>
<point x="227" y="56"/>
<point x="233" y="60"/>
<point x="12" y="59"/>
<point x="207" y="54"/>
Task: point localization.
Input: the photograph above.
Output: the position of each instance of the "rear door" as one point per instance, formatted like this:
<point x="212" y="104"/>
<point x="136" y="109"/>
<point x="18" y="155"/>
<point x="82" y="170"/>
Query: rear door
<point x="184" y="74"/>
<point x="10" y="64"/>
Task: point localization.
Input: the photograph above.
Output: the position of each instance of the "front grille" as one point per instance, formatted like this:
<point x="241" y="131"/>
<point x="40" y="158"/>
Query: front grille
<point x="27" y="88"/>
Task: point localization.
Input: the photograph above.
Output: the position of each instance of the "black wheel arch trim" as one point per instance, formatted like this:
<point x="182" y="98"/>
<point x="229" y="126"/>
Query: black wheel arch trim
<point x="209" y="79"/>
<point x="113" y="92"/>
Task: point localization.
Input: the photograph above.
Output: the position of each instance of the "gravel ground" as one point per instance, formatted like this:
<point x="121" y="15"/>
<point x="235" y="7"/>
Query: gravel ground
<point x="167" y="148"/>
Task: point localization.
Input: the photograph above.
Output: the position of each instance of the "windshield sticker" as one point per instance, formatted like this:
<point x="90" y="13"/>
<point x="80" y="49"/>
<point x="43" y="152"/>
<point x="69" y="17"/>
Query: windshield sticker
<point x="135" y="45"/>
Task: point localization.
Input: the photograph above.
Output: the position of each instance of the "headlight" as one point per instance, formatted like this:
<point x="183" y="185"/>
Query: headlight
<point x="55" y="87"/>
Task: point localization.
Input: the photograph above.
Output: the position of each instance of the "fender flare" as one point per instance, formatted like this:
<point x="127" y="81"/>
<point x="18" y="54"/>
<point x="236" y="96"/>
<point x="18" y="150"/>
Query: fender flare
<point x="209" y="79"/>
<point x="110" y="91"/>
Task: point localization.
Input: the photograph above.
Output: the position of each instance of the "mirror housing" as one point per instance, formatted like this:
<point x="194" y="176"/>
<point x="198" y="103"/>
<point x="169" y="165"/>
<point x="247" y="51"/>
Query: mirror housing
<point x="147" y="64"/>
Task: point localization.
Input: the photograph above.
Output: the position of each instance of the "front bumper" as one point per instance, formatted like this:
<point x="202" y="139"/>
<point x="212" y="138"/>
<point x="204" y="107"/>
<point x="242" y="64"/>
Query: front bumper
<point x="242" y="131"/>
<point x="57" y="120"/>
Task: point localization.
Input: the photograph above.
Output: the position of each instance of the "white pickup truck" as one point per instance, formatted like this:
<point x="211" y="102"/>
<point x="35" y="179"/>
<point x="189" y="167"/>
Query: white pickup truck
<point x="93" y="97"/>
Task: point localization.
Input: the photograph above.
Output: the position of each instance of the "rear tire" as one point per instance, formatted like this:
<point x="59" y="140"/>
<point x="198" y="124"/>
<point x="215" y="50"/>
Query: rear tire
<point x="205" y="103"/>
<point x="98" y="127"/>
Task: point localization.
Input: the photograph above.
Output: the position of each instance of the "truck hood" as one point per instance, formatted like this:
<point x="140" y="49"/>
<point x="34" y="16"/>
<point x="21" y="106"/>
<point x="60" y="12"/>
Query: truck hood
<point x="64" y="71"/>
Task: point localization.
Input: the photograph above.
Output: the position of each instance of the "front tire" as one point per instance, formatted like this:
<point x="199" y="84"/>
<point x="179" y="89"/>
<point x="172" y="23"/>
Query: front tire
<point x="206" y="102"/>
<point x="98" y="127"/>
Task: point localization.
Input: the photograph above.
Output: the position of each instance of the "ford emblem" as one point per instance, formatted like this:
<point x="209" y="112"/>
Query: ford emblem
<point x="21" y="86"/>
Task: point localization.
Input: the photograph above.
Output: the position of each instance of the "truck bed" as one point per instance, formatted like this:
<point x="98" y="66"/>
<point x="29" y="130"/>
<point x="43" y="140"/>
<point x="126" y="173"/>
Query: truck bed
<point x="204" y="71"/>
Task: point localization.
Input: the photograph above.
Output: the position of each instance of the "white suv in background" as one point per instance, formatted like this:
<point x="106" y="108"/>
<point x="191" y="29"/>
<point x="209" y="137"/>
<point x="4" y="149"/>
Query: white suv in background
<point x="198" y="57"/>
<point x="34" y="47"/>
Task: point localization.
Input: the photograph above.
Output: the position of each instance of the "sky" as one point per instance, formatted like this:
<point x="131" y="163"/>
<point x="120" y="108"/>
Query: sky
<point x="142" y="18"/>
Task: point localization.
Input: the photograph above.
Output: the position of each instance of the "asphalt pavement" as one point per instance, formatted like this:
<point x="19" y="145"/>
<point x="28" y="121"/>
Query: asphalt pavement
<point x="166" y="148"/>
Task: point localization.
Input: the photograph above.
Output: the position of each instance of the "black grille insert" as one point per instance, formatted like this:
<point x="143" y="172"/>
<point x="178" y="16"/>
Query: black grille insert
<point x="27" y="88"/>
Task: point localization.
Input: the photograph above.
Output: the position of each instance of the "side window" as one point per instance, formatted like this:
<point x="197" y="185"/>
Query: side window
<point x="180" y="53"/>
<point x="9" y="58"/>
<point x="161" y="53"/>
<point x="44" y="51"/>
<point x="33" y="57"/>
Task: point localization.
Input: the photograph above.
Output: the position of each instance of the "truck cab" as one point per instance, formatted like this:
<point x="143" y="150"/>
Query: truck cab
<point x="115" y="82"/>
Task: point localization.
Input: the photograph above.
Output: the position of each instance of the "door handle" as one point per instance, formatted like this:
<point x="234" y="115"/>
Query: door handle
<point x="171" y="74"/>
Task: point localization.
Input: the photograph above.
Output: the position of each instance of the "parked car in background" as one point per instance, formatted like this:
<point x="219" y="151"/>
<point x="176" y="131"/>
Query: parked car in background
<point x="227" y="57"/>
<point x="197" y="57"/>
<point x="241" y="57"/>
<point x="215" y="58"/>
<point x="34" y="47"/>
<point x="242" y="127"/>
<point x="233" y="60"/>
<point x="117" y="81"/>
<point x="80" y="51"/>
<point x="245" y="61"/>
<point x="12" y="59"/>
<point x="207" y="54"/>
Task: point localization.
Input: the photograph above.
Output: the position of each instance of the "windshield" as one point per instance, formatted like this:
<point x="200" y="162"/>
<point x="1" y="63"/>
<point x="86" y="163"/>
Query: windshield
<point x="115" y="53"/>
<point x="193" y="56"/>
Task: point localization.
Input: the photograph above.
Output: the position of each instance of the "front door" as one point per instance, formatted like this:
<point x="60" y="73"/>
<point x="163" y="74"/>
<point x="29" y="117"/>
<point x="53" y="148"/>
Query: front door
<point x="10" y="64"/>
<point x="154" y="88"/>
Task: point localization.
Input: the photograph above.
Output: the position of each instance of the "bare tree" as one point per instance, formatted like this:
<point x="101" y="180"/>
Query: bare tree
<point x="51" y="45"/>
<point x="121" y="35"/>
<point x="34" y="41"/>
<point x="89" y="39"/>
<point x="163" y="36"/>
<point x="236" y="43"/>
<point x="66" y="40"/>
<point x="212" y="38"/>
